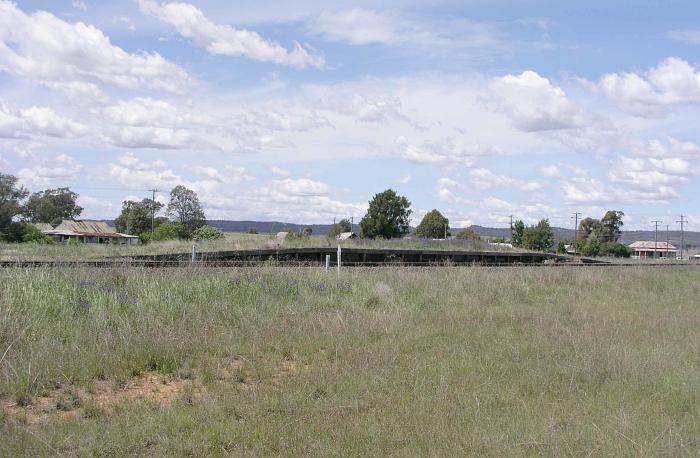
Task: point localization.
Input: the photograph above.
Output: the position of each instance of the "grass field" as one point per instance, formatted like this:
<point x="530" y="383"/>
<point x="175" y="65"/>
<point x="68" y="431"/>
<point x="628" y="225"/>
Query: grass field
<point x="292" y="361"/>
<point x="231" y="241"/>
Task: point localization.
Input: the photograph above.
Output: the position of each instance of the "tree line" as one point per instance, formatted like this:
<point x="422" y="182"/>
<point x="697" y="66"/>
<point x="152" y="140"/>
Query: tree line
<point x="20" y="210"/>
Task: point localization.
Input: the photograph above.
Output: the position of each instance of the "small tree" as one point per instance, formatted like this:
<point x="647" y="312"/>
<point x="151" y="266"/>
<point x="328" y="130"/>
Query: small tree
<point x="561" y="247"/>
<point x="170" y="230"/>
<point x="184" y="207"/>
<point x="11" y="197"/>
<point x="340" y="227"/>
<point x="52" y="206"/>
<point x="135" y="217"/>
<point x="538" y="237"/>
<point x="433" y="226"/>
<point x="518" y="231"/>
<point x="387" y="216"/>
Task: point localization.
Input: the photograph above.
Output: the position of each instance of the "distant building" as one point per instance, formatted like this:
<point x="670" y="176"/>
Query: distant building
<point x="89" y="232"/>
<point x="282" y="235"/>
<point x="646" y="249"/>
<point x="346" y="236"/>
<point x="43" y="226"/>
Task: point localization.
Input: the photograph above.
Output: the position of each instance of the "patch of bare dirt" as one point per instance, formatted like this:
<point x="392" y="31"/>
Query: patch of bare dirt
<point x="103" y="397"/>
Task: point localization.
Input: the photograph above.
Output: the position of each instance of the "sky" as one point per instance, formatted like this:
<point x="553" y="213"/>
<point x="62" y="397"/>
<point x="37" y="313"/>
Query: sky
<point x="302" y="111"/>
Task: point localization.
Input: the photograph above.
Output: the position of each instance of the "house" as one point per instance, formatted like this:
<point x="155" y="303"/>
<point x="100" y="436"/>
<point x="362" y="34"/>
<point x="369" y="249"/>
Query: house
<point x="89" y="232"/>
<point x="42" y="227"/>
<point x="282" y="235"/>
<point x="650" y="249"/>
<point x="346" y="236"/>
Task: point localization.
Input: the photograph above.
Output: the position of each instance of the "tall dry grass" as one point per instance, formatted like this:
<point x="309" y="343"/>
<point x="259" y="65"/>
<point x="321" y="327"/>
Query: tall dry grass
<point x="393" y="361"/>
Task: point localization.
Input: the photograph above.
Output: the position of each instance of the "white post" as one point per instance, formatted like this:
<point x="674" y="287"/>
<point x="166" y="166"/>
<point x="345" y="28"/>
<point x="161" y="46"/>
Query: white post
<point x="339" y="259"/>
<point x="194" y="253"/>
<point x="328" y="262"/>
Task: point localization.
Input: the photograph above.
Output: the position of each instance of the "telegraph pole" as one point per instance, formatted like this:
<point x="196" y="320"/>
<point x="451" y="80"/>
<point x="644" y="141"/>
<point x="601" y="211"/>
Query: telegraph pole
<point x="511" y="229"/>
<point x="656" y="238"/>
<point x="682" y="221"/>
<point x="667" y="240"/>
<point x="153" y="208"/>
<point x="575" y="218"/>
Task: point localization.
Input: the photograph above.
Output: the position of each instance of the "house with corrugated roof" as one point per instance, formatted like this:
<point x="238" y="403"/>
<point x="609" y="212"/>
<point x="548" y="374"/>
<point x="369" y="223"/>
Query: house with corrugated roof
<point x="89" y="232"/>
<point x="649" y="249"/>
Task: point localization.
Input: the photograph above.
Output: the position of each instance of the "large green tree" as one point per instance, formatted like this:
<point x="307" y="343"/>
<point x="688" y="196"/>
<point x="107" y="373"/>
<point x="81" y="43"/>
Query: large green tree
<point x="387" y="216"/>
<point x="433" y="226"/>
<point x="611" y="226"/>
<point x="11" y="196"/>
<point x="135" y="217"/>
<point x="52" y="206"/>
<point x="518" y="230"/>
<point x="184" y="207"/>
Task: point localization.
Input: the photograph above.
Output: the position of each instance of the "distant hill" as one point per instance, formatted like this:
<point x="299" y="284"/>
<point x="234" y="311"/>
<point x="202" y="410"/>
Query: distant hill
<point x="271" y="227"/>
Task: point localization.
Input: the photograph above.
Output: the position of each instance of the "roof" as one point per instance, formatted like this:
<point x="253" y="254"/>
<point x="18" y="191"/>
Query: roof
<point x="281" y="235"/>
<point x="346" y="235"/>
<point x="89" y="228"/>
<point x="43" y="226"/>
<point x="653" y="246"/>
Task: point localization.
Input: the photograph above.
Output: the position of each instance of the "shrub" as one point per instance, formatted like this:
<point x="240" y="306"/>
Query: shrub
<point x="207" y="233"/>
<point x="591" y="247"/>
<point x="467" y="234"/>
<point x="252" y="230"/>
<point x="170" y="231"/>
<point x="561" y="247"/>
<point x="615" y="250"/>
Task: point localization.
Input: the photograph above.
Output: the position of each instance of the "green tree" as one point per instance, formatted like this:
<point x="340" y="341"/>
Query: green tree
<point x="52" y="206"/>
<point x="611" y="226"/>
<point x="518" y="231"/>
<point x="135" y="217"/>
<point x="184" y="207"/>
<point x="538" y="237"/>
<point x="169" y="230"/>
<point x="433" y="226"/>
<point x="467" y="234"/>
<point x="561" y="247"/>
<point x="387" y="216"/>
<point x="588" y="227"/>
<point x="615" y="250"/>
<point x="11" y="197"/>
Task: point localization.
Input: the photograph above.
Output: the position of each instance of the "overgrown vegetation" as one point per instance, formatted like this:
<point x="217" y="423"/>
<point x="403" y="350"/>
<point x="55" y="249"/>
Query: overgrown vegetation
<point x="284" y="361"/>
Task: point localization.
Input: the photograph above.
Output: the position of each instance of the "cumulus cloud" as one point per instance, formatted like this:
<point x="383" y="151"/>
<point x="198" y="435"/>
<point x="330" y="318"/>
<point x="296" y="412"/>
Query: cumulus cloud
<point x="650" y="174"/>
<point x="534" y="104"/>
<point x="42" y="46"/>
<point x="671" y="82"/>
<point x="485" y="179"/>
<point x="668" y="148"/>
<point x="47" y="171"/>
<point x="690" y="36"/>
<point x="191" y="23"/>
<point x="16" y="123"/>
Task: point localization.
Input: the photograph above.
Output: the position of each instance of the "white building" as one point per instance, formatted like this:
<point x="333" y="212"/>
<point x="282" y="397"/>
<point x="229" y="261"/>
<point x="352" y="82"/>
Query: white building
<point x="650" y="249"/>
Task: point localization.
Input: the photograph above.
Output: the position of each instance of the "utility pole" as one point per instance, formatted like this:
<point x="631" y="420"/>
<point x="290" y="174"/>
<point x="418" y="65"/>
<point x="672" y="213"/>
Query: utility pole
<point x="656" y="238"/>
<point x="153" y="208"/>
<point x="682" y="221"/>
<point x="575" y="218"/>
<point x="445" y="231"/>
<point x="511" y="229"/>
<point x="667" y="240"/>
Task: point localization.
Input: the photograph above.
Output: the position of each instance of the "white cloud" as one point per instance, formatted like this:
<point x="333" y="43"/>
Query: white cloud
<point x="279" y="171"/>
<point x="550" y="171"/>
<point x="671" y="82"/>
<point x="47" y="171"/>
<point x="650" y="174"/>
<point x="301" y="187"/>
<point x="134" y="173"/>
<point x="535" y="104"/>
<point x="15" y="123"/>
<point x="449" y="152"/>
<point x="485" y="179"/>
<point x="669" y="148"/>
<point x="190" y="22"/>
<point x="690" y="36"/>
<point x="404" y="179"/>
<point x="79" y="5"/>
<point x="42" y="46"/>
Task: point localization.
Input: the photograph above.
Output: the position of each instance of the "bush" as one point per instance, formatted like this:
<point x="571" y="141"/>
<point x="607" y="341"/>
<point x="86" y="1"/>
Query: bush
<point x="615" y="250"/>
<point x="170" y="231"/>
<point x="467" y="234"/>
<point x="252" y="230"/>
<point x="591" y="247"/>
<point x="207" y="233"/>
<point x="24" y="232"/>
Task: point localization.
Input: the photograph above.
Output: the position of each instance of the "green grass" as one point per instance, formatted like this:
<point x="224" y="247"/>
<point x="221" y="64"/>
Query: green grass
<point x="231" y="241"/>
<point x="443" y="361"/>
